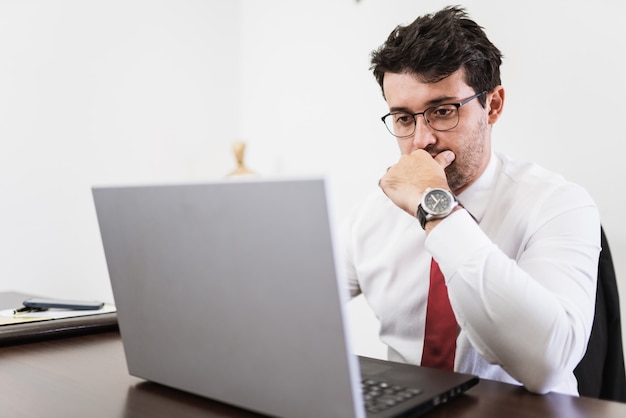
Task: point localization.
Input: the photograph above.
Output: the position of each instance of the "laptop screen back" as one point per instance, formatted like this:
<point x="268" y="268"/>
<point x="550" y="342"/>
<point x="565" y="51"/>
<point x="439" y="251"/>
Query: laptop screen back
<point x="229" y="290"/>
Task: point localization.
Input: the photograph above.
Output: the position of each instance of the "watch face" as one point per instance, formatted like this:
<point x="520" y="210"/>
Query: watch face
<point x="437" y="201"/>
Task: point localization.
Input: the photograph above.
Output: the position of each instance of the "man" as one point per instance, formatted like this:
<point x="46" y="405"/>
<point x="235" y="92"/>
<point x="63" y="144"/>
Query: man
<point x="519" y="251"/>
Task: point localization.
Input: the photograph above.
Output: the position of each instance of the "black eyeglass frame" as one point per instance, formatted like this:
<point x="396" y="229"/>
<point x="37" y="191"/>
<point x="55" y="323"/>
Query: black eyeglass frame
<point x="457" y="105"/>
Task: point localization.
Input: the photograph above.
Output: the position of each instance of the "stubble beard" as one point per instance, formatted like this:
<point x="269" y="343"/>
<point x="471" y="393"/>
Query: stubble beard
<point x="465" y="168"/>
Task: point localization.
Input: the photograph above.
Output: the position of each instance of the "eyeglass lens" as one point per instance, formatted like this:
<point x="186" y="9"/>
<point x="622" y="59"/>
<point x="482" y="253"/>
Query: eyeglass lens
<point x="440" y="118"/>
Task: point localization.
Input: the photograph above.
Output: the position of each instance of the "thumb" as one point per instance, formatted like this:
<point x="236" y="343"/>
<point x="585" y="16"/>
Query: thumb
<point x="445" y="158"/>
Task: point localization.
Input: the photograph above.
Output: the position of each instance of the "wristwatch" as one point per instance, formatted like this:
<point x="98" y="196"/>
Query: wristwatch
<point x="436" y="204"/>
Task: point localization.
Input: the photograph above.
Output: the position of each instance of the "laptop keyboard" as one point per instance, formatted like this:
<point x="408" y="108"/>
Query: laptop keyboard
<point x="379" y="395"/>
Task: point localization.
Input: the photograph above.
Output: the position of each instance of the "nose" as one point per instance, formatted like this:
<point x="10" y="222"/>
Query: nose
<point x="424" y="135"/>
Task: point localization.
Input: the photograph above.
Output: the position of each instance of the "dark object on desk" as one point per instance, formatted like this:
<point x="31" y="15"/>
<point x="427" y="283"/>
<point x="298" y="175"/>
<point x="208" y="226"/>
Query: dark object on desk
<point x="601" y="373"/>
<point x="47" y="303"/>
<point x="54" y="328"/>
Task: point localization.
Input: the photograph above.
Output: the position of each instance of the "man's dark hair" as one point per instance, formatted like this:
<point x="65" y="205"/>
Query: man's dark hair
<point x="436" y="45"/>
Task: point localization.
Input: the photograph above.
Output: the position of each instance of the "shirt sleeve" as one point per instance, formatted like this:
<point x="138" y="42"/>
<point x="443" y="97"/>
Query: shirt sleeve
<point x="530" y="312"/>
<point x="345" y="257"/>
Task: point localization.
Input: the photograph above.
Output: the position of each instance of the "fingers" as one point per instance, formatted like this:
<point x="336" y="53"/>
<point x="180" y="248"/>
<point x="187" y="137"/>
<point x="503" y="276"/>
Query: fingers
<point x="381" y="179"/>
<point x="445" y="158"/>
<point x="418" y="167"/>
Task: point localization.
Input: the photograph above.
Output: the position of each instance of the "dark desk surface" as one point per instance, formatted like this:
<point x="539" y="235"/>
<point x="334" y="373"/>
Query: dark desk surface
<point x="86" y="376"/>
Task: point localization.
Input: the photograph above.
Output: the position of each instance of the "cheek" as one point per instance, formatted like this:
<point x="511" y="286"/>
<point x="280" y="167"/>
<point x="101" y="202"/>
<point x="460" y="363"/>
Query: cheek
<point x="406" y="146"/>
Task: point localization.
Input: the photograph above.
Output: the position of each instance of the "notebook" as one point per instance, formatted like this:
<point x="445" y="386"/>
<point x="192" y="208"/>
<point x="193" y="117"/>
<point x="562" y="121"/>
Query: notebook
<point x="18" y="330"/>
<point x="230" y="290"/>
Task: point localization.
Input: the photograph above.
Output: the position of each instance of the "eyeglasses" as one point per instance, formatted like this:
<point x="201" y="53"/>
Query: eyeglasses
<point x="440" y="118"/>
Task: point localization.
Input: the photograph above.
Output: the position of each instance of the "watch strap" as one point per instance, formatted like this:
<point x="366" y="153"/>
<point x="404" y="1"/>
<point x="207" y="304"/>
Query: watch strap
<point x="421" y="216"/>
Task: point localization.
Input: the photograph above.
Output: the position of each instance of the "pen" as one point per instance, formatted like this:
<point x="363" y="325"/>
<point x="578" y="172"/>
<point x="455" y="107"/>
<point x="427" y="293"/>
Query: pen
<point x="27" y="309"/>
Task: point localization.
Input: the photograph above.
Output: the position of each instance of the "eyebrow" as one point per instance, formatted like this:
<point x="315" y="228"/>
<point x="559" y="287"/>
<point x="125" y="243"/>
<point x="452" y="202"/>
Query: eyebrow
<point x="433" y="102"/>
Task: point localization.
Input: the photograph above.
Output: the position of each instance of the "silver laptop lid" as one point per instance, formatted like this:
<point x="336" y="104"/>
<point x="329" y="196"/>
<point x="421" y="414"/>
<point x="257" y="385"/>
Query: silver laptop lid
<point x="229" y="290"/>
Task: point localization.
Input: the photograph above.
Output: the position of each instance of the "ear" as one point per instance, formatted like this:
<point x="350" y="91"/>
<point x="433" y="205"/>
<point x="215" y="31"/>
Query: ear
<point x="495" y="103"/>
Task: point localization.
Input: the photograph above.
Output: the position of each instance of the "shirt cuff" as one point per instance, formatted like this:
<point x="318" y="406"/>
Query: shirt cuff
<point x="455" y="239"/>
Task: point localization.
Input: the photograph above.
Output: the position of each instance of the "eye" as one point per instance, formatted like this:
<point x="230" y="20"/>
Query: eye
<point x="403" y="119"/>
<point x="442" y="112"/>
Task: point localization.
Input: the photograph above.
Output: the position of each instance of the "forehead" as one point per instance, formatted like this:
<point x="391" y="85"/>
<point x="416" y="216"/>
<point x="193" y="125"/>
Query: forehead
<point x="408" y="91"/>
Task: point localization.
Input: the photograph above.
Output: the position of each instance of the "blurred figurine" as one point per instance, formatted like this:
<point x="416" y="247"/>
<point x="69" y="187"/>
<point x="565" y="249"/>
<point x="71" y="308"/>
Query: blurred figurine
<point x="239" y="148"/>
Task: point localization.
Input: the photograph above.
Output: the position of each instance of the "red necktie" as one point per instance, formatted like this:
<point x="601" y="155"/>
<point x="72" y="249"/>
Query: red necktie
<point x="441" y="327"/>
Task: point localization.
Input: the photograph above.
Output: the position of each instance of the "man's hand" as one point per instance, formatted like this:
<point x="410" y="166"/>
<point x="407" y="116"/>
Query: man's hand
<point x="405" y="182"/>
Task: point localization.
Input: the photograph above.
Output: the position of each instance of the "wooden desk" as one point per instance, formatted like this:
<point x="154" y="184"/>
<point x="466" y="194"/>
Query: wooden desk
<point x="86" y="376"/>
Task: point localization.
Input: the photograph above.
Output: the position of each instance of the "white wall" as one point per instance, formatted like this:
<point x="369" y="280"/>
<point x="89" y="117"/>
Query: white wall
<point x="99" y="92"/>
<point x="95" y="92"/>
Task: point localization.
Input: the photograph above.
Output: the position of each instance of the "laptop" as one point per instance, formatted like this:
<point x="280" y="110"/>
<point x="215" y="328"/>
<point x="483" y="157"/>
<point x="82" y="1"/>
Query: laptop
<point x="230" y="290"/>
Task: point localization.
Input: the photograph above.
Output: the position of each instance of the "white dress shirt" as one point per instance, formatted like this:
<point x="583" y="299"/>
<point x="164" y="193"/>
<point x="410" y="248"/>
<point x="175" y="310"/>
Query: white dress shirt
<point x="521" y="273"/>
